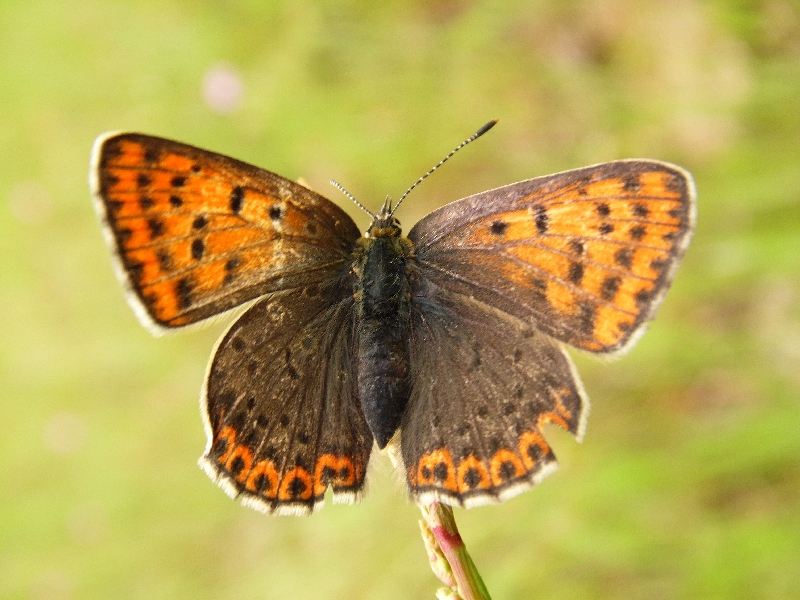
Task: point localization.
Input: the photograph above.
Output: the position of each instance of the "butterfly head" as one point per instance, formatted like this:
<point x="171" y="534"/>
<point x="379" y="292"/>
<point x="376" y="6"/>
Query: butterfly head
<point x="384" y="224"/>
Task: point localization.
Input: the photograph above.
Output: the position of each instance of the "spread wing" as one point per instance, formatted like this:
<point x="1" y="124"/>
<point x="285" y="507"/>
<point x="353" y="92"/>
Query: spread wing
<point x="282" y="418"/>
<point x="484" y="384"/>
<point x="583" y="256"/>
<point x="196" y="233"/>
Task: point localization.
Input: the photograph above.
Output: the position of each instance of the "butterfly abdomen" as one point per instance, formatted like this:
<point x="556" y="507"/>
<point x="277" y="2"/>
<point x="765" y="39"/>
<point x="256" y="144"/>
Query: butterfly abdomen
<point x="382" y="323"/>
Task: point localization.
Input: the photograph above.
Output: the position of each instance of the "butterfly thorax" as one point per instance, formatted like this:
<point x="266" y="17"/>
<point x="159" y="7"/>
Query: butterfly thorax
<point x="382" y="294"/>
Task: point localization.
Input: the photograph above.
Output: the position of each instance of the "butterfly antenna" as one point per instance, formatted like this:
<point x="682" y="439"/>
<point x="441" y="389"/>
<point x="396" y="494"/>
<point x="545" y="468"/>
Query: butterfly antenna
<point x="340" y="187"/>
<point x="471" y="138"/>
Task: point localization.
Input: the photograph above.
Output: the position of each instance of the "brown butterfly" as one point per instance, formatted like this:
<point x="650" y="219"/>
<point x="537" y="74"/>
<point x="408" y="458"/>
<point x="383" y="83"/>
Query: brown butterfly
<point x="448" y="342"/>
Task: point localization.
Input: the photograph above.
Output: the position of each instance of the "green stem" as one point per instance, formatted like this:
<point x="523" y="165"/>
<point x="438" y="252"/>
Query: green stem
<point x="448" y="555"/>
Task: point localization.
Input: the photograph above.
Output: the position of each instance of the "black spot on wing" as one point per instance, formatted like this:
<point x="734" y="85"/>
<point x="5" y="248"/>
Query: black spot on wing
<point x="586" y="318"/>
<point x="624" y="257"/>
<point x="637" y="232"/>
<point x="230" y="269"/>
<point x="151" y="154"/>
<point x="643" y="296"/>
<point x="577" y="247"/>
<point x="609" y="288"/>
<point x="631" y="183"/>
<point x="184" y="290"/>
<point x="540" y="289"/>
<point x="541" y="219"/>
<point x="605" y="228"/>
<point x="576" y="273"/>
<point x="156" y="227"/>
<point x="236" y="199"/>
<point x="498" y="227"/>
<point x="108" y="180"/>
<point x="164" y="260"/>
<point x="198" y="248"/>
<point x="472" y="477"/>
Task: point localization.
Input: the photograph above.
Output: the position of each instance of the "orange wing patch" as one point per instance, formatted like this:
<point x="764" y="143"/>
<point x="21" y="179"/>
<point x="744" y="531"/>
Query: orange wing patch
<point x="264" y="479"/>
<point x="198" y="233"/>
<point x="594" y="253"/>
<point x="471" y="480"/>
<point x="271" y="487"/>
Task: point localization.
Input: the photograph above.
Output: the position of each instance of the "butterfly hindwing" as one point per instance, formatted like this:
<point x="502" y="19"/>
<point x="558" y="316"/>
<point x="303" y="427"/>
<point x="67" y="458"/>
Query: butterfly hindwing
<point x="584" y="256"/>
<point x="484" y="384"/>
<point x="196" y="233"/>
<point x="283" y="421"/>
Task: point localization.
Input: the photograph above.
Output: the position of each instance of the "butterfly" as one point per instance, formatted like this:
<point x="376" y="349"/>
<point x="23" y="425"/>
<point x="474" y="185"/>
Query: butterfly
<point x="446" y="345"/>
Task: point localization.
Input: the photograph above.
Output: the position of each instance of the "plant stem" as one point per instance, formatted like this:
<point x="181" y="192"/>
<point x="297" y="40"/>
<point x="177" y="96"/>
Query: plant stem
<point x="448" y="555"/>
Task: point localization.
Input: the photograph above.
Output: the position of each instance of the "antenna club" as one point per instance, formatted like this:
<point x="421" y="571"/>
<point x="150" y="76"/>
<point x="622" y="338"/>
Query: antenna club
<point x="470" y="139"/>
<point x="486" y="128"/>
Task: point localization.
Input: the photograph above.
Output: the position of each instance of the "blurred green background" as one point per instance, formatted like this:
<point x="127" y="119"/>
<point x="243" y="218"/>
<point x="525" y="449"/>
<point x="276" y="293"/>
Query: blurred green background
<point x="688" y="482"/>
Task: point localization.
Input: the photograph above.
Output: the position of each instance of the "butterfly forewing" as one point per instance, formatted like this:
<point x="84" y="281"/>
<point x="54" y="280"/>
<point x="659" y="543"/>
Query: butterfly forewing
<point x="197" y="233"/>
<point x="584" y="256"/>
